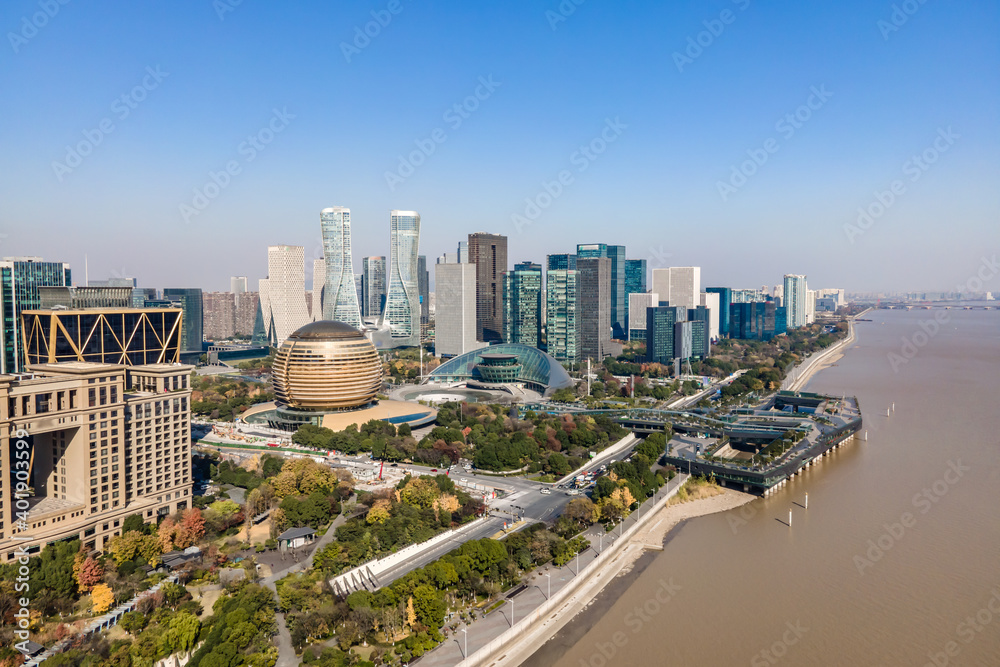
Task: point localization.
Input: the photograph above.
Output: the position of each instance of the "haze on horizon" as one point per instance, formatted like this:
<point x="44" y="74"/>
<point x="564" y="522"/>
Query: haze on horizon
<point x="343" y="110"/>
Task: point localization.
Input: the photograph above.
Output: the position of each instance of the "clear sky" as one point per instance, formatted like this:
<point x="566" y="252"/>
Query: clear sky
<point x="341" y="111"/>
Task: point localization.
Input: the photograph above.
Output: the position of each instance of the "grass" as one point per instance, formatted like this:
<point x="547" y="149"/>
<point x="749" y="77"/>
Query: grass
<point x="696" y="488"/>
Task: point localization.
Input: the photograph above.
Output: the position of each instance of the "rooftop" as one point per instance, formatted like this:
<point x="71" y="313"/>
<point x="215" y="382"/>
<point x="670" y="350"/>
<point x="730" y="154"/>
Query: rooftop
<point x="326" y="330"/>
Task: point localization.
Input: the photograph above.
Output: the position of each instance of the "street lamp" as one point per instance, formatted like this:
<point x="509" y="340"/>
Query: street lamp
<point x="548" y="591"/>
<point x="465" y="651"/>
<point x="511" y="613"/>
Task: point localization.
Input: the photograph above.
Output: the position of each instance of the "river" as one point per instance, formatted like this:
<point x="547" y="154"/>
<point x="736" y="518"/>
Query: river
<point x="896" y="561"/>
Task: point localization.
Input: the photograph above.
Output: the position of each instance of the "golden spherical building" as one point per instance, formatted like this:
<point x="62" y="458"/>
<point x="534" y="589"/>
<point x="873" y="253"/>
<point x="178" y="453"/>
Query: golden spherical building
<point x="326" y="366"/>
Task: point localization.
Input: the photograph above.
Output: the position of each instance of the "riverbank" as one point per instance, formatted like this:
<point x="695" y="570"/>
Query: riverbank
<point x="651" y="535"/>
<point x="825" y="359"/>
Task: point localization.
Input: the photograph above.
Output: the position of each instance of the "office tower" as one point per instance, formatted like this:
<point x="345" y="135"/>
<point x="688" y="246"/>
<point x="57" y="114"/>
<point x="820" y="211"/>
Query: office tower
<point x="685" y="286"/>
<point x="462" y="255"/>
<point x="522" y="304"/>
<point x="794" y="290"/>
<point x="372" y="286"/>
<point x="660" y="331"/>
<point x="761" y="320"/>
<point x="93" y="296"/>
<point x="20" y="278"/>
<point x="340" y="296"/>
<point x="318" y="289"/>
<point x="448" y="258"/>
<point x="561" y="262"/>
<point x="725" y="300"/>
<point x="810" y="306"/>
<point x="619" y="303"/>
<point x="637" y="305"/>
<point x="778" y="293"/>
<point x="701" y="337"/>
<point x="595" y="306"/>
<point x="238" y="285"/>
<point x="712" y="301"/>
<point x="455" y="309"/>
<point x="836" y="294"/>
<point x="219" y="315"/>
<point x="141" y="294"/>
<point x="424" y="286"/>
<point x="562" y="321"/>
<point x="489" y="253"/>
<point x="283" y="307"/>
<point x="359" y="288"/>
<point x="746" y="296"/>
<point x="246" y="312"/>
<point x="635" y="283"/>
<point x="402" y="305"/>
<point x="192" y="327"/>
<point x="86" y="479"/>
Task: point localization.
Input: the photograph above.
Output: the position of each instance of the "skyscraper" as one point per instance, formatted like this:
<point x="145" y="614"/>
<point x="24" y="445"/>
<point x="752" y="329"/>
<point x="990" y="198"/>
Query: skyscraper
<point x="282" y="294"/>
<point x="794" y="299"/>
<point x="522" y="304"/>
<point x="637" y="305"/>
<point x="20" y="278"/>
<point x="556" y="262"/>
<point x="340" y="297"/>
<point x="463" y="252"/>
<point x="402" y="306"/>
<point x="712" y="301"/>
<point x="238" y="285"/>
<point x="725" y="299"/>
<point x="562" y="322"/>
<point x="219" y="315"/>
<point x="455" y="309"/>
<point x="619" y="302"/>
<point x="489" y="253"/>
<point x="678" y="285"/>
<point x="594" y="306"/>
<point x="372" y="286"/>
<point x="810" y="306"/>
<point x="318" y="288"/>
<point x="424" y="286"/>
<point x="192" y="329"/>
<point x="660" y="331"/>
<point x="246" y="312"/>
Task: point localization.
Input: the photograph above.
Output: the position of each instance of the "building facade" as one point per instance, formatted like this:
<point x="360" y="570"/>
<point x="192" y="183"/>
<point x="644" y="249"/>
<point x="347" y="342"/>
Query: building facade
<point x="619" y="300"/>
<point x="282" y="295"/>
<point x="402" y="307"/>
<point x="725" y="300"/>
<point x="679" y="285"/>
<point x="522" y="304"/>
<point x="20" y="278"/>
<point x="455" y="309"/>
<point x="562" y="321"/>
<point x="424" y="286"/>
<point x="712" y="301"/>
<point x="372" y="286"/>
<point x="237" y="285"/>
<point x="660" y="333"/>
<point x="340" y="296"/>
<point x="795" y="288"/>
<point x="561" y="262"/>
<point x="489" y="253"/>
<point x="635" y="283"/>
<point x="761" y="320"/>
<point x="637" y="305"/>
<point x="318" y="289"/>
<point x="94" y="296"/>
<point x="192" y="332"/>
<point x="594" y="306"/>
<point x="219" y="315"/>
<point x="246" y="312"/>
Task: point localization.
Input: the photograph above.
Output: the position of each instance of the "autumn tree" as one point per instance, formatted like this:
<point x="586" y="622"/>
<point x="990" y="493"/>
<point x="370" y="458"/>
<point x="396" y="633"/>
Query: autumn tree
<point x="192" y="528"/>
<point x="128" y="546"/>
<point x="88" y="575"/>
<point x="165" y="534"/>
<point x="102" y="598"/>
<point x="278" y="522"/>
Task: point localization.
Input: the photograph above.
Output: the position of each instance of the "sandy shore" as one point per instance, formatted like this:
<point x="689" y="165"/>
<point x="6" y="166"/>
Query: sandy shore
<point x="651" y="535"/>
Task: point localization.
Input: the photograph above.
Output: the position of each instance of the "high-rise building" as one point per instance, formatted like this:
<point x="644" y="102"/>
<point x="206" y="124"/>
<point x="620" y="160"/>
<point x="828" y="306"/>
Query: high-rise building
<point x="637" y="305"/>
<point x="778" y="294"/>
<point x="761" y="320"/>
<point x="454" y="309"/>
<point x="522" y="304"/>
<point x="712" y="301"/>
<point x="246" y="312"/>
<point x="424" y="286"/>
<point x="834" y="293"/>
<point x="85" y="480"/>
<point x="795" y="289"/>
<point x="283" y="307"/>
<point x="701" y="338"/>
<point x="678" y="285"/>
<point x="141" y="294"/>
<point x="595" y="306"/>
<point x="192" y="328"/>
<point x="619" y="300"/>
<point x="810" y="306"/>
<point x="660" y="333"/>
<point x="747" y="296"/>
<point x="372" y="286"/>
<point x="725" y="299"/>
<point x="635" y="283"/>
<point x="562" y="320"/>
<point x="94" y="296"/>
<point x="462" y="255"/>
<point x="219" y="315"/>
<point x="489" y="253"/>
<point x="340" y="296"/>
<point x="238" y="285"/>
<point x="402" y="306"/>
<point x="318" y="289"/>
<point x="561" y="262"/>
<point x="20" y="278"/>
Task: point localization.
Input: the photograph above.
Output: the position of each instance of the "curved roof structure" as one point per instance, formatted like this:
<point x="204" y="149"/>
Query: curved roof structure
<point x="538" y="370"/>
<point x="326" y="330"/>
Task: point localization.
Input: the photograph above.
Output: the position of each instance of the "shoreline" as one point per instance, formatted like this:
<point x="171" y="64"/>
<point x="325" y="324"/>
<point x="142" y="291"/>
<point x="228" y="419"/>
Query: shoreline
<point x="650" y="538"/>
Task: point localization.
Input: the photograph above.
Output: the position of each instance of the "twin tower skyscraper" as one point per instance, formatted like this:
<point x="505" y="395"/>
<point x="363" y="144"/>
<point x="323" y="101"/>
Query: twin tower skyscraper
<point x="399" y="323"/>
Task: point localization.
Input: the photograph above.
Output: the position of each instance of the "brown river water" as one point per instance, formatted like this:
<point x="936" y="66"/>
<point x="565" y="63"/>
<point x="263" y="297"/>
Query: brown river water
<point x="896" y="561"/>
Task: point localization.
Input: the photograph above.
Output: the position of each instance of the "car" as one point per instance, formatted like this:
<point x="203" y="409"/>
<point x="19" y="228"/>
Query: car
<point x="393" y="465"/>
<point x="572" y="492"/>
<point x="463" y="480"/>
<point x="546" y="491"/>
<point x="434" y="469"/>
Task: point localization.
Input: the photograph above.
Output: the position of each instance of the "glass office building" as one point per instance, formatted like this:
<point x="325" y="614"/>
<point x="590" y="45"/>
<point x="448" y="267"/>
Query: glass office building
<point x="635" y="283"/>
<point x="402" y="306"/>
<point x="20" y="278"/>
<point x="507" y="362"/>
<point x="725" y="300"/>
<point x="192" y="330"/>
<point x="660" y="330"/>
<point x="340" y="295"/>
<point x="562" y="321"/>
<point x="522" y="304"/>
<point x="619" y="300"/>
<point x="561" y="263"/>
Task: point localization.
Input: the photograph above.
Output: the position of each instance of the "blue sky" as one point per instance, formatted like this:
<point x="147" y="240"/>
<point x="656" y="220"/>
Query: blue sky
<point x="889" y="91"/>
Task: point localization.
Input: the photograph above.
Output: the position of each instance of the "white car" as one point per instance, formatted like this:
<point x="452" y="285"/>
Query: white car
<point x="463" y="481"/>
<point x="546" y="491"/>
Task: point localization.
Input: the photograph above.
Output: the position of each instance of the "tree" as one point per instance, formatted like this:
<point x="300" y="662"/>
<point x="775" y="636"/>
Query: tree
<point x="165" y="534"/>
<point x="133" y="522"/>
<point x="128" y="546"/>
<point x="183" y="632"/>
<point x="420" y="492"/>
<point x="278" y="522"/>
<point x="411" y="615"/>
<point x="89" y="575"/>
<point x="380" y="512"/>
<point x="192" y="528"/>
<point x="583" y="511"/>
<point x="133" y="622"/>
<point x="102" y="598"/>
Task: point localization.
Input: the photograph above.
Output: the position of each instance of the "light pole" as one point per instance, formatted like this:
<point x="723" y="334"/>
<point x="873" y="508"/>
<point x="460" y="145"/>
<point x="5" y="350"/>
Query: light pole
<point x="602" y="543"/>
<point x="548" y="587"/>
<point x="511" y="613"/>
<point x="465" y="651"/>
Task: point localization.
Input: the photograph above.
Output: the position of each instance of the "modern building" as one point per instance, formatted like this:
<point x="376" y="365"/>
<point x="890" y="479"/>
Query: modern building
<point x="20" y="278"/>
<point x="318" y="289"/>
<point x="504" y="364"/>
<point x="660" y="333"/>
<point x="489" y="253"/>
<point x="192" y="331"/>
<point x="219" y="315"/>
<point x="810" y="306"/>
<point x="246" y="312"/>
<point x="462" y="254"/>
<point x="372" y="286"/>
<point x="283" y="307"/>
<point x="142" y="294"/>
<point x="103" y="441"/>
<point x="725" y="300"/>
<point x="762" y="320"/>
<point x="95" y="296"/>
<point x="594" y="298"/>
<point x="340" y="297"/>
<point x="835" y="293"/>
<point x="747" y="296"/>
<point x="795" y="289"/>
<point x="619" y="300"/>
<point x="238" y="285"/>
<point x="679" y="285"/>
<point x="700" y="319"/>
<point x="713" y="302"/>
<point x="455" y="309"/>
<point x="522" y="304"/>
<point x="637" y="305"/>
<point x="401" y="318"/>
<point x="635" y="283"/>
<point x="424" y="286"/>
<point x="826" y="304"/>
<point x="562" y="319"/>
<point x="123" y="336"/>
<point x="561" y="263"/>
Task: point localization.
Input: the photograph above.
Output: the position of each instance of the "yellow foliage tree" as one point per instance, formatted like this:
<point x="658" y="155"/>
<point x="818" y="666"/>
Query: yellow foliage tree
<point x="411" y="616"/>
<point x="379" y="513"/>
<point x="447" y="502"/>
<point x="102" y="598"/>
